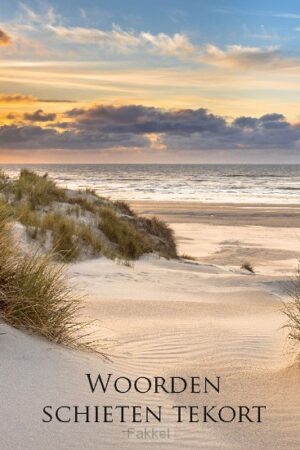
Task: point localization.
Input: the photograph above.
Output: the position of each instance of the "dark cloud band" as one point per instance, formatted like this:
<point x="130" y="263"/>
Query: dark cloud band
<point x="104" y="127"/>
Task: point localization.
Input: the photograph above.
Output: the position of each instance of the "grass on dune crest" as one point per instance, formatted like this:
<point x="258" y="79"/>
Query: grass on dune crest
<point x="34" y="294"/>
<point x="165" y="239"/>
<point x="68" y="237"/>
<point x="81" y="224"/>
<point x="38" y="190"/>
<point x="4" y="180"/>
<point x="131" y="242"/>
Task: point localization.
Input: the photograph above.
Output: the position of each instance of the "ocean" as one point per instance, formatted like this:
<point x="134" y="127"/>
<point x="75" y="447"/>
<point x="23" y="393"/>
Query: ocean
<point x="271" y="184"/>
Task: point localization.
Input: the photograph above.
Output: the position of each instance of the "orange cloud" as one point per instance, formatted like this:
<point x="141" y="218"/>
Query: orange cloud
<point x="5" y="39"/>
<point x="17" y="98"/>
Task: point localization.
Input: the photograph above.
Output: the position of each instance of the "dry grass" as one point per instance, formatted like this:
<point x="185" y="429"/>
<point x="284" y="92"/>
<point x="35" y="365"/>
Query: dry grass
<point x="292" y="311"/>
<point x="124" y="208"/>
<point x="68" y="221"/>
<point x="34" y="294"/>
<point x="37" y="190"/>
<point x="188" y="257"/>
<point x="89" y="238"/>
<point x="64" y="240"/>
<point x="27" y="216"/>
<point x="4" y="181"/>
<point x="248" y="266"/>
<point x="68" y="238"/>
<point x="166" y="244"/>
<point x="131" y="243"/>
<point x="84" y="204"/>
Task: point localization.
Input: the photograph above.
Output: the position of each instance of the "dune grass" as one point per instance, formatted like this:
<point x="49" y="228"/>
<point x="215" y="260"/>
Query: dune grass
<point x="27" y="216"/>
<point x="4" y="180"/>
<point x="34" y="294"/>
<point x="248" y="266"/>
<point x="124" y="208"/>
<point x="64" y="240"/>
<point x="68" y="238"/>
<point x="81" y="223"/>
<point x="166" y="244"/>
<point x="131" y="243"/>
<point x="188" y="257"/>
<point x="37" y="190"/>
<point x="292" y="311"/>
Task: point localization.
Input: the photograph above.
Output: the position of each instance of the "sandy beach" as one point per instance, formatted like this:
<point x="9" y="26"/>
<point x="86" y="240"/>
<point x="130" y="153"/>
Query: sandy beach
<point x="204" y="317"/>
<point x="149" y="225"/>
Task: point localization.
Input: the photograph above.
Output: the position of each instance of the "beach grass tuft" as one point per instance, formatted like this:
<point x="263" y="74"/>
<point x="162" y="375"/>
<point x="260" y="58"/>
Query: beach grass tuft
<point x="165" y="240"/>
<point x="292" y="311"/>
<point x="37" y="190"/>
<point x="188" y="257"/>
<point x="34" y="294"/>
<point x="131" y="243"/>
<point x="248" y="266"/>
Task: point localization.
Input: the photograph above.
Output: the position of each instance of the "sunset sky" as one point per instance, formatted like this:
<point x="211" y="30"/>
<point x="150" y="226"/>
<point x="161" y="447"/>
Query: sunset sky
<point x="149" y="81"/>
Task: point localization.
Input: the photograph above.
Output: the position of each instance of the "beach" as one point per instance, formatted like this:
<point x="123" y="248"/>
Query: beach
<point x="149" y="225"/>
<point x="203" y="317"/>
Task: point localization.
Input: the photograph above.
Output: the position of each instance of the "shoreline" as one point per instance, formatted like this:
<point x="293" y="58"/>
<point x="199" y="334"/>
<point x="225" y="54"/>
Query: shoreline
<point x="236" y="214"/>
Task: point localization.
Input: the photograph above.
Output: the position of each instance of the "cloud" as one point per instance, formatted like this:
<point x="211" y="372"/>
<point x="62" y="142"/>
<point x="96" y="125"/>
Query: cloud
<point x="34" y="137"/>
<point x="287" y="15"/>
<point x="32" y="28"/>
<point x="140" y="127"/>
<point x="55" y="100"/>
<point x="47" y="15"/>
<point x="40" y="116"/>
<point x="18" y="98"/>
<point x="122" y="40"/>
<point x="116" y="38"/>
<point x="176" y="45"/>
<point x="180" y="46"/>
<point x="138" y="119"/>
<point x="11" y="116"/>
<point x="5" y="39"/>
<point x="273" y="120"/>
<point x="261" y="33"/>
<point x="247" y="57"/>
<point x="269" y="132"/>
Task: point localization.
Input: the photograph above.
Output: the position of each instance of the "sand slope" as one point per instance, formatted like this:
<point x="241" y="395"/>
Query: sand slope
<point x="166" y="318"/>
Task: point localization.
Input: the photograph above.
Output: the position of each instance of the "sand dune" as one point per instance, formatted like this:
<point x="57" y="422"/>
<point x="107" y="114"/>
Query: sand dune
<point x="170" y="318"/>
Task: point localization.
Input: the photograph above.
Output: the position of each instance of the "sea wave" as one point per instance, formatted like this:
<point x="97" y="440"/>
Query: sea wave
<point x="205" y="183"/>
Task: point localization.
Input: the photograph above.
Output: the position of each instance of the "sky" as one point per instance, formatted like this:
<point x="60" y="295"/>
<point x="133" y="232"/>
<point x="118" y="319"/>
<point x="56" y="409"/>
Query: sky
<point x="162" y="81"/>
